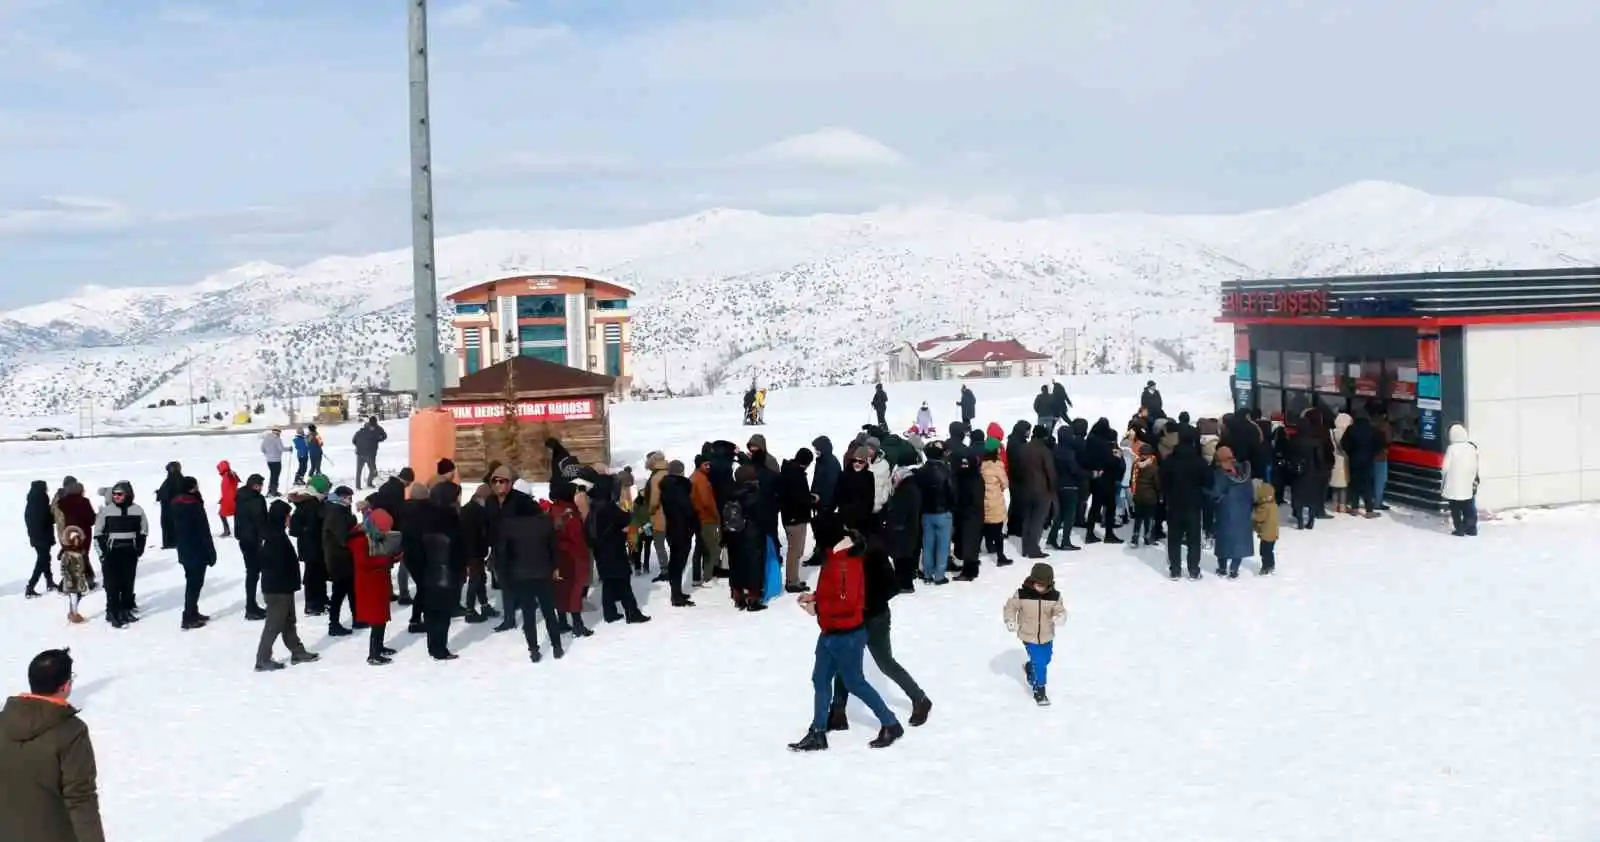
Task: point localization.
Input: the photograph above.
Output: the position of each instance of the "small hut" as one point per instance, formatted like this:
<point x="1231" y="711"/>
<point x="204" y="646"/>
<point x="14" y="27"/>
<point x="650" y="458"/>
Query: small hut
<point x="506" y="412"/>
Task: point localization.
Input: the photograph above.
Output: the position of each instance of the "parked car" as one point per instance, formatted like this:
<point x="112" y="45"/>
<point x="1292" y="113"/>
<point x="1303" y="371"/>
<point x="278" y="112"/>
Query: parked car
<point x="49" y="434"/>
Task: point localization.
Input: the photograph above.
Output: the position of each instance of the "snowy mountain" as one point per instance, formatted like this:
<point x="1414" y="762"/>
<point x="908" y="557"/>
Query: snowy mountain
<point x="728" y="295"/>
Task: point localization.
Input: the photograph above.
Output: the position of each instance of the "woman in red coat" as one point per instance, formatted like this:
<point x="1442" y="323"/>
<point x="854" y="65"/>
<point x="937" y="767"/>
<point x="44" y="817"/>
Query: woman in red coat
<point x="372" y="582"/>
<point x="230" y="491"/>
<point x="572" y="564"/>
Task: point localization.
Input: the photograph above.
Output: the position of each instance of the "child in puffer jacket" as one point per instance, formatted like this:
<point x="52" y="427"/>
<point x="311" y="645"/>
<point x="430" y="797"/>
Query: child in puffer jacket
<point x="1033" y="612"/>
<point x="1145" y="489"/>
<point x="1265" y="518"/>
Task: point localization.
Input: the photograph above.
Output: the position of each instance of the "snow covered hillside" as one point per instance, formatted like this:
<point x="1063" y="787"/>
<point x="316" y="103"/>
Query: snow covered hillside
<point x="1390" y="684"/>
<point x="726" y="295"/>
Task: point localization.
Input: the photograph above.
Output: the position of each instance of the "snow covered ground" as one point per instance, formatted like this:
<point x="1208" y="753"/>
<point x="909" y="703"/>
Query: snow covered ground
<point x="1392" y="683"/>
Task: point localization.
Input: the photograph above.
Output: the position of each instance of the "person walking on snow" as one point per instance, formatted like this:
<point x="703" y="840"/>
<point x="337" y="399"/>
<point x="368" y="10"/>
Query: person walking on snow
<point x="314" y="449"/>
<point x="121" y="531"/>
<point x="880" y="588"/>
<point x="197" y="552"/>
<point x="41" y="525"/>
<point x="840" y="604"/>
<point x="366" y="441"/>
<point x="272" y="448"/>
<point x="251" y="531"/>
<point x="227" y="500"/>
<point x="1033" y="613"/>
<point x="280" y="580"/>
<point x="302" y="450"/>
<point x="880" y="405"/>
<point x="968" y="403"/>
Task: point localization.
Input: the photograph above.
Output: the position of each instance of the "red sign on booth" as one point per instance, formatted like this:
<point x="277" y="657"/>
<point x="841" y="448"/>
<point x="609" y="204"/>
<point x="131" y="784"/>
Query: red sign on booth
<point x="574" y="409"/>
<point x="1288" y="301"/>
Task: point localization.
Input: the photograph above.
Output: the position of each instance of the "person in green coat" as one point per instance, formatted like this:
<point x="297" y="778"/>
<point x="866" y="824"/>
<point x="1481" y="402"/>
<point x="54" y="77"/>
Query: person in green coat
<point x="48" y="791"/>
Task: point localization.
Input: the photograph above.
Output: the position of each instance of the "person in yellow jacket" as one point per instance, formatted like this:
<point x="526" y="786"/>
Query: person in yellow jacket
<point x="1033" y="612"/>
<point x="1265" y="518"/>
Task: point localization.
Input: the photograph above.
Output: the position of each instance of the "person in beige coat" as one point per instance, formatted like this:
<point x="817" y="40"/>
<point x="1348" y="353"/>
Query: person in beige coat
<point x="1033" y="613"/>
<point x="1339" y="478"/>
<point x="995" y="486"/>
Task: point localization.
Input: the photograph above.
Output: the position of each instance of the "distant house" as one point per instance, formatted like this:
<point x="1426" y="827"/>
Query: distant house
<point x="960" y="357"/>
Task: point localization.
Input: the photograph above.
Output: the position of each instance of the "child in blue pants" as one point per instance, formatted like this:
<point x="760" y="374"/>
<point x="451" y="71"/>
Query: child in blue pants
<point x="1033" y="613"/>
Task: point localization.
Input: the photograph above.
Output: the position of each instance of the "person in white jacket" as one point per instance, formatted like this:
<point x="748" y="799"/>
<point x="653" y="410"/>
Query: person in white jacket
<point x="273" y="447"/>
<point x="1461" y="482"/>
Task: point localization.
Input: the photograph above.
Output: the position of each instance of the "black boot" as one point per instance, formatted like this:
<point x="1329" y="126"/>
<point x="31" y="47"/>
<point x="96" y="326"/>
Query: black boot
<point x="812" y="741"/>
<point x="578" y="627"/>
<point x="837" y="720"/>
<point x="887" y="735"/>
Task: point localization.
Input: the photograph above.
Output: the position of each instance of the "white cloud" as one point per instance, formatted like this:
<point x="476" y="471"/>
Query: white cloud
<point x="473" y="12"/>
<point x="519" y="41"/>
<point x="65" y="214"/>
<point x="830" y="147"/>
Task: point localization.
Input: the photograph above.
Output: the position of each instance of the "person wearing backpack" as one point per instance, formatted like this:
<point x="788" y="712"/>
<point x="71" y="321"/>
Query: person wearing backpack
<point x="743" y="516"/>
<point x="840" y="605"/>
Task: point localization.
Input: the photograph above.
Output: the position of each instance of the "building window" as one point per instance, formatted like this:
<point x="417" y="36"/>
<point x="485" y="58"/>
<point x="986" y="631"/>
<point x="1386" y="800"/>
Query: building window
<point x="611" y="304"/>
<point x="1297" y="370"/>
<point x="541" y="306"/>
<point x="541" y="333"/>
<point x="557" y="355"/>
<point x="471" y="309"/>
<point x="1400" y="391"/>
<point x="614" y="359"/>
<point x="474" y="360"/>
<point x="1328" y="379"/>
<point x="1269" y="368"/>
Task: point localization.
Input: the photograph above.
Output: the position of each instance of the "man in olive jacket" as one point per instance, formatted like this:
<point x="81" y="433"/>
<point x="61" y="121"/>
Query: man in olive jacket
<point x="47" y="771"/>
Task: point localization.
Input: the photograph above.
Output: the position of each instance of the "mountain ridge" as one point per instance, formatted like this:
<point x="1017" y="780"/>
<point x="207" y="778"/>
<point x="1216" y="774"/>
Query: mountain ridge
<point x="727" y="295"/>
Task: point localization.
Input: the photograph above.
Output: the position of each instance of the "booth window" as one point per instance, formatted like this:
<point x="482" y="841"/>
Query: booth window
<point x="1297" y="370"/>
<point x="1271" y="402"/>
<point x="1400" y="399"/>
<point x="1326" y="370"/>
<point x="1269" y="369"/>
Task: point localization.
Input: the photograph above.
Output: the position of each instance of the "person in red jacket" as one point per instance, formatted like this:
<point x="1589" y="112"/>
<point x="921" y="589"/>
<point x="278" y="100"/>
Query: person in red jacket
<point x="230" y="492"/>
<point x="373" y="550"/>
<point x="840" y="605"/>
<point x="572" y="560"/>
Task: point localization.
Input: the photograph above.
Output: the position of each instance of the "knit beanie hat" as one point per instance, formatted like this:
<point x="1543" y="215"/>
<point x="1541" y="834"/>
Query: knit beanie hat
<point x="1043" y="573"/>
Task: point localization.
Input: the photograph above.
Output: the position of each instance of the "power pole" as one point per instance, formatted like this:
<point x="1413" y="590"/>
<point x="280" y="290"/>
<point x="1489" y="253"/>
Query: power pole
<point x="424" y="281"/>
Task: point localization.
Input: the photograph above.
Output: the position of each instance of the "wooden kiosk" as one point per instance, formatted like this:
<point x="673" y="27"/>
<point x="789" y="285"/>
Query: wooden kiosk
<point x="547" y="399"/>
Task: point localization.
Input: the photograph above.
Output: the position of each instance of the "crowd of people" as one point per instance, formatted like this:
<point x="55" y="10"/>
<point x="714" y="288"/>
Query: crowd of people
<point x="880" y="517"/>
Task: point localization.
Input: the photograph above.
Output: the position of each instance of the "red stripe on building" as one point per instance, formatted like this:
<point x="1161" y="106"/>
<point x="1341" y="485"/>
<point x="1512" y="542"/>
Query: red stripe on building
<point x="1415" y="456"/>
<point x="1414" y="321"/>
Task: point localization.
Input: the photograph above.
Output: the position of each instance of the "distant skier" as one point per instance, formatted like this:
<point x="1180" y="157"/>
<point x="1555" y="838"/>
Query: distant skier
<point x="880" y="405"/>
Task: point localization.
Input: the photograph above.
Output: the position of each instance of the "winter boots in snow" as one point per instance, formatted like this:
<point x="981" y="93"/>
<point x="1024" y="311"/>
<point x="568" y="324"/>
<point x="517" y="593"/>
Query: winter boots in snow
<point x="812" y="741"/>
<point x="920" y="710"/>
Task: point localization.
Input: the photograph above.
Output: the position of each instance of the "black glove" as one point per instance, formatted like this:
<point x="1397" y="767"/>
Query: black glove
<point x="138" y="545"/>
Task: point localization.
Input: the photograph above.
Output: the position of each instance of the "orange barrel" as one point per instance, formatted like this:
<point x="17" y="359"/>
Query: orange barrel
<point x="433" y="437"/>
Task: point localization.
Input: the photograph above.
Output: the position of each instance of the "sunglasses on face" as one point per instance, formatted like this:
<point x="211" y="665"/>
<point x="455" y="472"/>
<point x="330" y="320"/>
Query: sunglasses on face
<point x="858" y="462"/>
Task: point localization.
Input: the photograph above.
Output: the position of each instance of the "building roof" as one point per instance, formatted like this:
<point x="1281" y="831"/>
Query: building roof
<point x="532" y="375"/>
<point x="990" y="351"/>
<point x="927" y="345"/>
<point x="581" y="274"/>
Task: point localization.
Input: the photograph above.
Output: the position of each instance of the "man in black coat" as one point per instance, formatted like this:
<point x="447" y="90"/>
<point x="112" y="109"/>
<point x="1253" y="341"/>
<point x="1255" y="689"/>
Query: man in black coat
<point x="795" y="506"/>
<point x="1308" y="468"/>
<point x="969" y="406"/>
<point x="250" y="530"/>
<point x="1034" y="483"/>
<point x="1104" y="459"/>
<point x="366" y="441"/>
<point x="880" y="405"/>
<point x="525" y="555"/>
<point x="280" y="581"/>
<point x="1150" y="400"/>
<point x="1069" y="476"/>
<point x="1044" y="406"/>
<point x="338" y="521"/>
<point x="1014" y="445"/>
<point x="879" y="575"/>
<point x="966" y="470"/>
<point x="855" y="494"/>
<point x="824" y="473"/>
<point x="171" y="487"/>
<point x="677" y="507"/>
<point x="1360" y="443"/>
<point x="1184" y="477"/>
<point x="1063" y="403"/>
<point x="607" y="529"/>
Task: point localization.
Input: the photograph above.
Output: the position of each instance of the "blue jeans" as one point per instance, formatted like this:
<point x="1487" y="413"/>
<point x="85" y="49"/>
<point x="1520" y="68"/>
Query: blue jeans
<point x="936" y="544"/>
<point x="841" y="655"/>
<point x="1380" y="478"/>
<point x="1039" y="655"/>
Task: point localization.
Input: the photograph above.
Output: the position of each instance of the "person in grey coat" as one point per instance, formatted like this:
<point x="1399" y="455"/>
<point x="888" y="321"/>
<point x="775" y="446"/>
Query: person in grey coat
<point x="272" y="448"/>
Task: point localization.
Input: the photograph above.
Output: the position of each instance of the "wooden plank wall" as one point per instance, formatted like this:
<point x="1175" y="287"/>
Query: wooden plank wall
<point x="476" y="446"/>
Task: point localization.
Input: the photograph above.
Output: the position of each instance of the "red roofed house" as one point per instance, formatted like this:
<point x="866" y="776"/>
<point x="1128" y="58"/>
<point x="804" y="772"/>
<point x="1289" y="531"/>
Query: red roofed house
<point x="961" y="356"/>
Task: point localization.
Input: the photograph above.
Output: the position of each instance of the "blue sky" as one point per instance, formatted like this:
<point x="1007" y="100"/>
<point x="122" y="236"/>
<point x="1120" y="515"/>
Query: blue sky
<point x="154" y="142"/>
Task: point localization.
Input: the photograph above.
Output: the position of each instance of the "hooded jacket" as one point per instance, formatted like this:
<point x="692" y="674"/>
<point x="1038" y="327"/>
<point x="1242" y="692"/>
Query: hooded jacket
<point x="280" y="566"/>
<point x="1460" y="466"/>
<point x="824" y="473"/>
<point x="47" y="773"/>
<point x="192" y="531"/>
<point x="41" y="522"/>
<point x="1341" y="463"/>
<point x="121" y="527"/>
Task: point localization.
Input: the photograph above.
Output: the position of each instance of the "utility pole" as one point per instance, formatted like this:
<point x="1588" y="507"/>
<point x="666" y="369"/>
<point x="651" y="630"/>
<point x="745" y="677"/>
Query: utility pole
<point x="190" y="369"/>
<point x="424" y="281"/>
